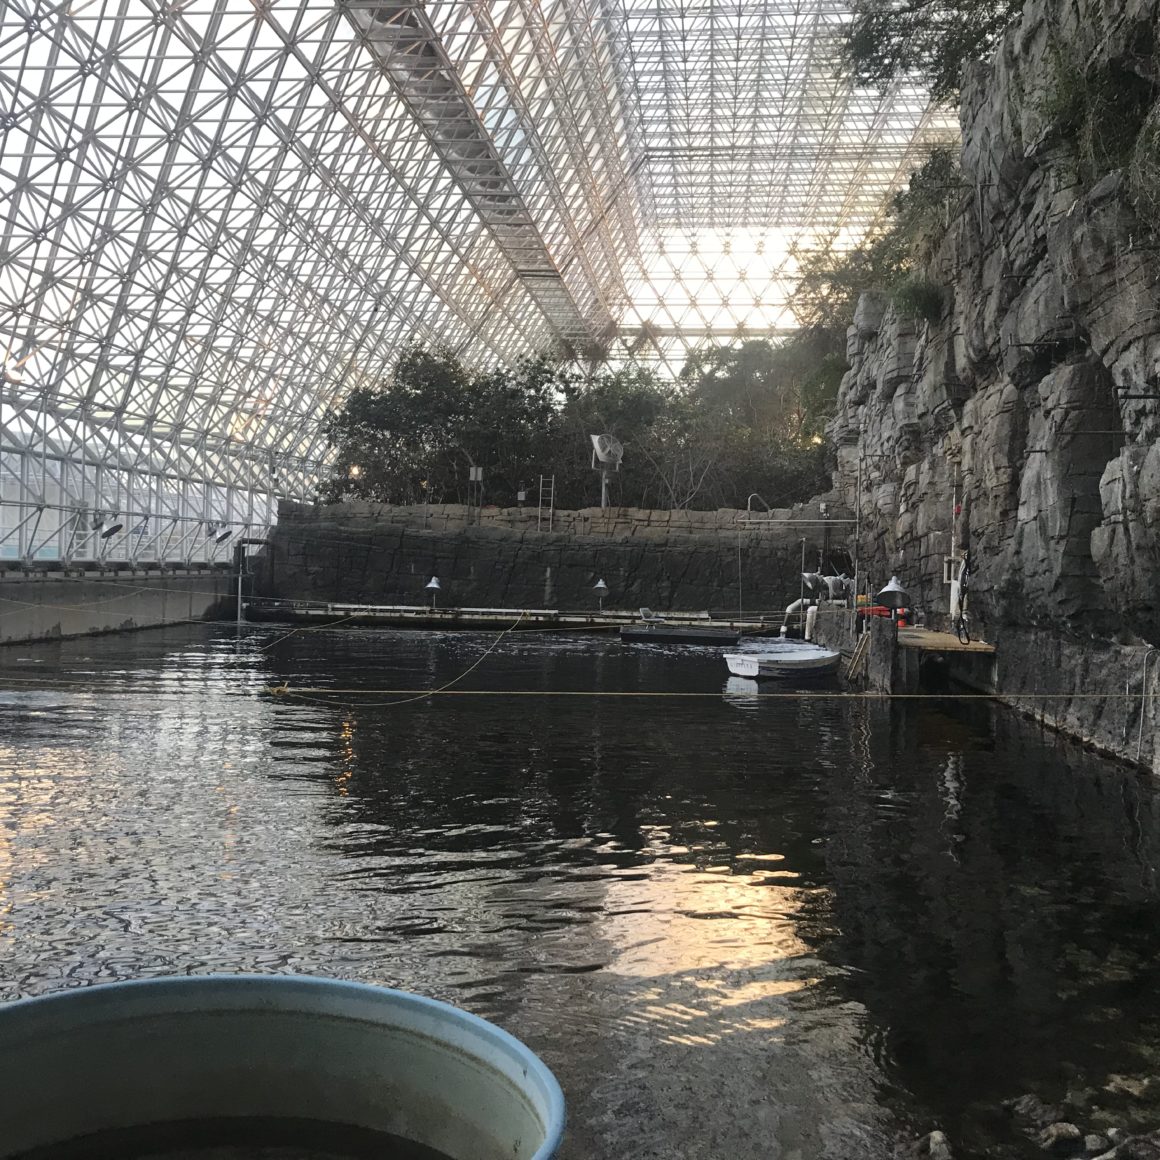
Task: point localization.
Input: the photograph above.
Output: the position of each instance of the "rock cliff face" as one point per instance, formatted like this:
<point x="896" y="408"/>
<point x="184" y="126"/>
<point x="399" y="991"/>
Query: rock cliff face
<point x="1024" y="422"/>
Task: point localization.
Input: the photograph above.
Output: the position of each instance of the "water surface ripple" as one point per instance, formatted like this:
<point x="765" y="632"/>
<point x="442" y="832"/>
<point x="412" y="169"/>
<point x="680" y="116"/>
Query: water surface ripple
<point x="734" y="927"/>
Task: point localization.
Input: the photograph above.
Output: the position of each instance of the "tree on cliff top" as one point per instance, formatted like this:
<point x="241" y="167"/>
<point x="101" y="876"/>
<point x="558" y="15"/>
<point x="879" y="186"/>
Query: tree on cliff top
<point x="830" y="281"/>
<point x="928" y="41"/>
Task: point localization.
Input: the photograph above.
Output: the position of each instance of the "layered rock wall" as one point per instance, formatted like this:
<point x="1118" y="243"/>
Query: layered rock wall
<point x="377" y="554"/>
<point x="1023" y="422"/>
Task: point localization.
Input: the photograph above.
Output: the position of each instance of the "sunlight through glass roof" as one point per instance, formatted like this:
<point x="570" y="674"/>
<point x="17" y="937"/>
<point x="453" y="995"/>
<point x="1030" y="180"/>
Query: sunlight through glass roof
<point x="220" y="215"/>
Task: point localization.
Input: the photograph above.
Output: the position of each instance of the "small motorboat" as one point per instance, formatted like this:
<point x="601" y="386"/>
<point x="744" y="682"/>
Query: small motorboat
<point x="784" y="659"/>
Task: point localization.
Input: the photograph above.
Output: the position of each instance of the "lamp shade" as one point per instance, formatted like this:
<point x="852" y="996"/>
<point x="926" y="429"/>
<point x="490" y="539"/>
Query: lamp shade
<point x="600" y="586"/>
<point x="894" y="595"/>
<point x="433" y="584"/>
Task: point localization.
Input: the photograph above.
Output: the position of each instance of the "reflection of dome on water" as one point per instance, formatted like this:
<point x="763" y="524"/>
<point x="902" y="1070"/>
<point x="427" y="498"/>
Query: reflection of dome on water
<point x="742" y="692"/>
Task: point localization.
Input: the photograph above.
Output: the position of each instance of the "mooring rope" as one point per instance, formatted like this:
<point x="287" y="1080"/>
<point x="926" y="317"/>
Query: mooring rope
<point x="284" y="690"/>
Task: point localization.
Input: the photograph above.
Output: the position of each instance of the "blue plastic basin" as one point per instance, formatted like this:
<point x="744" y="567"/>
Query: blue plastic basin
<point x="108" y="1058"/>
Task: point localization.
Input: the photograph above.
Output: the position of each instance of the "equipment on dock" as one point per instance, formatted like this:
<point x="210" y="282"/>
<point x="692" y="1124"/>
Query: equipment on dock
<point x="817" y="591"/>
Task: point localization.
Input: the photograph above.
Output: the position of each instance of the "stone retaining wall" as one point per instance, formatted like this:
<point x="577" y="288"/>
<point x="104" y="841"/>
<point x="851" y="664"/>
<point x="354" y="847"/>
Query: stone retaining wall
<point x="608" y="523"/>
<point x="371" y="553"/>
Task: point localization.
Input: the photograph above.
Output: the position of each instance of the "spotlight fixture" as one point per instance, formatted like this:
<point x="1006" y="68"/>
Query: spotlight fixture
<point x="894" y="595"/>
<point x="601" y="590"/>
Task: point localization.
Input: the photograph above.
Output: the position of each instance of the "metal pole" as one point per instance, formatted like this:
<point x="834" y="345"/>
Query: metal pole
<point x="740" y="613"/>
<point x="241" y="564"/>
<point x="857" y="522"/>
<point x="802" y="589"/>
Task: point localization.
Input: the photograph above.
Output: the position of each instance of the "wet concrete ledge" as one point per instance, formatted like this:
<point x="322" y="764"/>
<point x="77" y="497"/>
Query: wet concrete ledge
<point x="50" y="605"/>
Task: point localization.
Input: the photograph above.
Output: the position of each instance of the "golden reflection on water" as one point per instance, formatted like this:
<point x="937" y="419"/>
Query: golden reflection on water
<point x="685" y="919"/>
<point x="714" y="953"/>
<point x="346" y="756"/>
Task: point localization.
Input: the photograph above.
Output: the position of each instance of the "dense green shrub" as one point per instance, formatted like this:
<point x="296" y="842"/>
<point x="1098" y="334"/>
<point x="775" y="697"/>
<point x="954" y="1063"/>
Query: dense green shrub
<point x="919" y="298"/>
<point x="830" y="281"/>
<point x="1102" y="109"/>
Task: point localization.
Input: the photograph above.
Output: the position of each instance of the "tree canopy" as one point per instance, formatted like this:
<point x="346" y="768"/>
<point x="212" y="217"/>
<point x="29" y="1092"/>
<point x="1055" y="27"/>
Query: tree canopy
<point x="928" y="41"/>
<point x="740" y="419"/>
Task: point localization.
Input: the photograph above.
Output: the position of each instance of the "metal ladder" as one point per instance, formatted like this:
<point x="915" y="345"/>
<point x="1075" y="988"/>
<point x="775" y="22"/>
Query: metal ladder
<point x="548" y="496"/>
<point x="861" y="656"/>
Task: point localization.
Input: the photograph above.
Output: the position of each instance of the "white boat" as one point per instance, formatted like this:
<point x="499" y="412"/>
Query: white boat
<point x="784" y="659"/>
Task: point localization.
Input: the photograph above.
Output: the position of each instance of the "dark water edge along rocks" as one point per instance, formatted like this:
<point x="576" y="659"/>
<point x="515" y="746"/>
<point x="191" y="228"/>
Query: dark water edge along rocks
<point x="1023" y="420"/>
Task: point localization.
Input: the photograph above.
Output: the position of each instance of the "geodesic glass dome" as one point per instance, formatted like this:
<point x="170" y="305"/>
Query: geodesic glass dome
<point x="220" y="215"/>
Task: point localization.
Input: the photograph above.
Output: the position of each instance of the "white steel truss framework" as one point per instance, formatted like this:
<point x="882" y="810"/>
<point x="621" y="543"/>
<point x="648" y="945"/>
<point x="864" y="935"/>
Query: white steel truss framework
<point x="218" y="216"/>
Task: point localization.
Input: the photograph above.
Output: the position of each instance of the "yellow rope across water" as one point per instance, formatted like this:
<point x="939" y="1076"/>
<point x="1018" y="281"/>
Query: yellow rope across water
<point x="421" y="694"/>
<point x="307" y="693"/>
<point x="327" y="696"/>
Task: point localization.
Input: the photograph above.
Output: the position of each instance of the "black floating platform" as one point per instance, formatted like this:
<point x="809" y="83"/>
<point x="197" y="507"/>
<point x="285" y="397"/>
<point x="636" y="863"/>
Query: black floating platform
<point x="680" y="634"/>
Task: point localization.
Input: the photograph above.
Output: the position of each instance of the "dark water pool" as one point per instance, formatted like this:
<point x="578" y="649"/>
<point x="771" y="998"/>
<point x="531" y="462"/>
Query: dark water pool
<point x="735" y="927"/>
